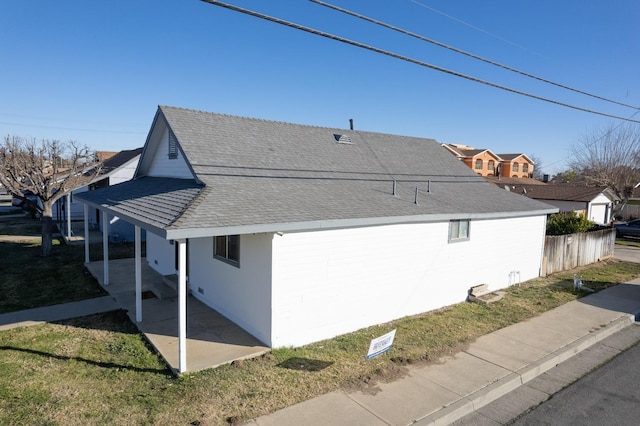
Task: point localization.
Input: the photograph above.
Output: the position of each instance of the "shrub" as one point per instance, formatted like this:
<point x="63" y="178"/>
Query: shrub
<point x="563" y="223"/>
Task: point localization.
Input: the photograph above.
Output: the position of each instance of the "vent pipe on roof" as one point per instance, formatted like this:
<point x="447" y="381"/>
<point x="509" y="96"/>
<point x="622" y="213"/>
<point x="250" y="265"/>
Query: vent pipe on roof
<point x="428" y="186"/>
<point x="416" y="198"/>
<point x="351" y="123"/>
<point x="395" y="188"/>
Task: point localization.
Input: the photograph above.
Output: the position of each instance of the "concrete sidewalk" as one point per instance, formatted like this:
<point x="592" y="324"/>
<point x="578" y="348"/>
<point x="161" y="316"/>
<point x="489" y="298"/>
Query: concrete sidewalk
<point x="492" y="366"/>
<point x="57" y="312"/>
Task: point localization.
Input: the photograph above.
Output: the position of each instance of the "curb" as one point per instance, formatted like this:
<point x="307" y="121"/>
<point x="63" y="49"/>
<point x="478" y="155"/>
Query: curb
<point x="514" y="380"/>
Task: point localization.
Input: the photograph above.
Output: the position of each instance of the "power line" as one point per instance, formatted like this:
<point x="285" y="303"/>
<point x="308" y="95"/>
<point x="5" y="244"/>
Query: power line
<point x="463" y="52"/>
<point x="453" y="18"/>
<point x="406" y="58"/>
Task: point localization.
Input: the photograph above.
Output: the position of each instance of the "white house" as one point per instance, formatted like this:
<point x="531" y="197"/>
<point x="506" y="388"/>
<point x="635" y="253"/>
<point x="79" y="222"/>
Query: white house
<point x="594" y="202"/>
<point x="114" y="170"/>
<point x="300" y="233"/>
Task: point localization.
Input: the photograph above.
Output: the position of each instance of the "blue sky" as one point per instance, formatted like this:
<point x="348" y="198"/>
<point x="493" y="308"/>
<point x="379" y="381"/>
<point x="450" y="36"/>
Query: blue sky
<point x="95" y="72"/>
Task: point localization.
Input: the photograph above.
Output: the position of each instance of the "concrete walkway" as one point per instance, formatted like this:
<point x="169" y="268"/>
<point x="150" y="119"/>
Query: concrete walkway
<point x="492" y="366"/>
<point x="60" y="312"/>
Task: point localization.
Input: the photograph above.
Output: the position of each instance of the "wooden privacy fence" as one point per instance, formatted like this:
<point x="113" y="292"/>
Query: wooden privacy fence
<point x="563" y="252"/>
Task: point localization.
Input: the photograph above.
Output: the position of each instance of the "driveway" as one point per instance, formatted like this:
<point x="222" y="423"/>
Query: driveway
<point x="629" y="254"/>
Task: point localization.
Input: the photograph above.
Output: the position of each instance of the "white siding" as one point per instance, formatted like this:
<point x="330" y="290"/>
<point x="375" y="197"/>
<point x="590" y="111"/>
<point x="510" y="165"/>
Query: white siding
<point x="327" y="283"/>
<point x="160" y="254"/>
<point x="162" y="166"/>
<point x="241" y="294"/>
<point x="77" y="208"/>
<point x="567" y="206"/>
<point x="124" y="173"/>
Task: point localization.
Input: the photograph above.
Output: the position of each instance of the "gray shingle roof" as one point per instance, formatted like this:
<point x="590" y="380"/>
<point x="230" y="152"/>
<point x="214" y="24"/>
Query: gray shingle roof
<point x="153" y="201"/>
<point x="119" y="159"/>
<point x="263" y="176"/>
<point x="560" y="192"/>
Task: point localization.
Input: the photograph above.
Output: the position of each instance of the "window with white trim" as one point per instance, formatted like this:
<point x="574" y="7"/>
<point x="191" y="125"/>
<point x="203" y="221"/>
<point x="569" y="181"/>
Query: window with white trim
<point x="459" y="230"/>
<point x="227" y="249"/>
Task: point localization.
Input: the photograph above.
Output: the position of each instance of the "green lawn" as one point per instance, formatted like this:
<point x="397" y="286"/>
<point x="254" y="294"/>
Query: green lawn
<point x="100" y="370"/>
<point x="31" y="281"/>
<point x="630" y="242"/>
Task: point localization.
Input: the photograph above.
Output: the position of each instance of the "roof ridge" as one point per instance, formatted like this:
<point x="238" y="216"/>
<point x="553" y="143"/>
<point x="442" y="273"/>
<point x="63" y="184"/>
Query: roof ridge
<point x="288" y="123"/>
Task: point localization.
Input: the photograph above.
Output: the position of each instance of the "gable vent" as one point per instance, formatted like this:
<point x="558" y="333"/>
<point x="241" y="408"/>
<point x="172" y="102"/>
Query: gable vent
<point x="173" y="146"/>
<point x="343" y="139"/>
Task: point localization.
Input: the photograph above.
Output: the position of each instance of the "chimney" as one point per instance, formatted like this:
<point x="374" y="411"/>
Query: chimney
<point x="351" y="123"/>
<point x="545" y="178"/>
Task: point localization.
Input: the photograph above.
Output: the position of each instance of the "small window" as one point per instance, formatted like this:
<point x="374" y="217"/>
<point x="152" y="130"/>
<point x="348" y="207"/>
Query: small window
<point x="227" y="248"/>
<point x="525" y="168"/>
<point x="458" y="230"/>
<point x="516" y="167"/>
<point x="173" y="146"/>
<point x="491" y="165"/>
<point x="478" y="164"/>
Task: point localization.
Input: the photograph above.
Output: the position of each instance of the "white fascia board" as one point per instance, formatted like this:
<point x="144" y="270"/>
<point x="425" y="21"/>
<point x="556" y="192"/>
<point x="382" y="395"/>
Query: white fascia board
<point x="175" y="233"/>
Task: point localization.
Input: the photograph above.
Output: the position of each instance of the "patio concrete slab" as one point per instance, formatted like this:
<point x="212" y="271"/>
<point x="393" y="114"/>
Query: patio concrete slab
<point x="212" y="339"/>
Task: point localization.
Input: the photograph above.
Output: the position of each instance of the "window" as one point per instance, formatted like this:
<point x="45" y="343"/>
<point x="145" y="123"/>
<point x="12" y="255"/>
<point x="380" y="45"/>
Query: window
<point x="479" y="164"/>
<point x="525" y="168"/>
<point x="516" y="167"/>
<point x="173" y="146"/>
<point x="227" y="248"/>
<point x="491" y="165"/>
<point x="458" y="230"/>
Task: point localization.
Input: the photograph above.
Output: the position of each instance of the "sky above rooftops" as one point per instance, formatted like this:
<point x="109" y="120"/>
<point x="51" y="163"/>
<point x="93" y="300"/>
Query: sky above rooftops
<point x="95" y="72"/>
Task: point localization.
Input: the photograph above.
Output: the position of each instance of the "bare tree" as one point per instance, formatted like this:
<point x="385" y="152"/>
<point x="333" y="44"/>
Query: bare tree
<point x="537" y="167"/>
<point x="49" y="169"/>
<point x="610" y="156"/>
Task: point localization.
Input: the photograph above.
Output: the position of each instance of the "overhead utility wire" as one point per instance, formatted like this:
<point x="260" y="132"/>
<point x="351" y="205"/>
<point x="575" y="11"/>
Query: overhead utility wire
<point x="463" y="52"/>
<point x="405" y="58"/>
<point x="460" y="21"/>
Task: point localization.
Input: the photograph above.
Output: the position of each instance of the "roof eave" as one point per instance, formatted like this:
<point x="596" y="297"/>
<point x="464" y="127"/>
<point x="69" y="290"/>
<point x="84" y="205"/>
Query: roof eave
<point x="177" y="233"/>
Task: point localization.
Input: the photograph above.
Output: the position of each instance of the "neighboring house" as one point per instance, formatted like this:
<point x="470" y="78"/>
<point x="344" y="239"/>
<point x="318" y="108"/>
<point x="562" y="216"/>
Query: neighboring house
<point x="482" y="161"/>
<point x="486" y="163"/>
<point x="630" y="209"/>
<point x="516" y="165"/>
<point x="117" y="168"/>
<point x="595" y="202"/>
<point x="299" y="233"/>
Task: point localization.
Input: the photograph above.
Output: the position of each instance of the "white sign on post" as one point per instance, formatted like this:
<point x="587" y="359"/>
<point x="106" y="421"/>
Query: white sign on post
<point x="381" y="344"/>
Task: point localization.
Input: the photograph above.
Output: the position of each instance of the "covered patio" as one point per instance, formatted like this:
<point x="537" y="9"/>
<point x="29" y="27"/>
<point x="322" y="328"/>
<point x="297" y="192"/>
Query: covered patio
<point x="211" y="339"/>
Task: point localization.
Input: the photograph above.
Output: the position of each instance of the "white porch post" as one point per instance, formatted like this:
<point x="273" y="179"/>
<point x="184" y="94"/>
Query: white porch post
<point x="86" y="234"/>
<point x="68" y="211"/>
<point x="182" y="305"/>
<point x="105" y="245"/>
<point x="138" y="275"/>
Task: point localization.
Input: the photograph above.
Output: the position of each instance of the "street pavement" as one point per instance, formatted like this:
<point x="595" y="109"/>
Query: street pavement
<point x="609" y="395"/>
<point x="613" y="398"/>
